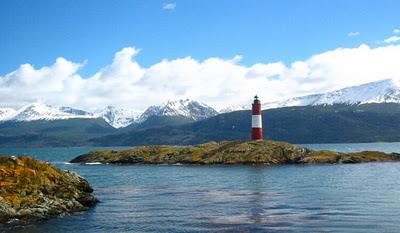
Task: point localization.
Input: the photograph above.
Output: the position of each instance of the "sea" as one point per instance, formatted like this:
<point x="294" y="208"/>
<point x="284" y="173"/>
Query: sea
<point x="230" y="198"/>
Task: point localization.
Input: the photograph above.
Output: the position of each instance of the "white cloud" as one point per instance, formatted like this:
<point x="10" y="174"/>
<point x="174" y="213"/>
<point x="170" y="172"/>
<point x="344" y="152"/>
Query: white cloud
<point x="392" y="39"/>
<point x="396" y="31"/>
<point x="353" y="33"/>
<point x="218" y="82"/>
<point x="169" y="6"/>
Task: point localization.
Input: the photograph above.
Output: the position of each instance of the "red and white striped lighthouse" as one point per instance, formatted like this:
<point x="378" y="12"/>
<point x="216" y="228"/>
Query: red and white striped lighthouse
<point x="256" y="121"/>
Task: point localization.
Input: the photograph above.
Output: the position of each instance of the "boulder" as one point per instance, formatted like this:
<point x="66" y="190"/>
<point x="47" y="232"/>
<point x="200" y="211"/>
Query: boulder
<point x="32" y="190"/>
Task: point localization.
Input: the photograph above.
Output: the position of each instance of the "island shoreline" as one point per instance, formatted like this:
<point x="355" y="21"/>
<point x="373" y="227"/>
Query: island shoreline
<point x="263" y="153"/>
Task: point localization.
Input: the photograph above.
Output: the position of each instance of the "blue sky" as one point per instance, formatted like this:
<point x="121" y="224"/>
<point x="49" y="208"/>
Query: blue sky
<point x="37" y="32"/>
<point x="93" y="53"/>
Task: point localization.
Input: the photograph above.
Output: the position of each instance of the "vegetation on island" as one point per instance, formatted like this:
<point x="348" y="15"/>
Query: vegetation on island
<point x="231" y="152"/>
<point x="33" y="190"/>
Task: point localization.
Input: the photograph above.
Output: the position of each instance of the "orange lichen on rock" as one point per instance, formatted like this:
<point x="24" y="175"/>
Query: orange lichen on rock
<point x="32" y="190"/>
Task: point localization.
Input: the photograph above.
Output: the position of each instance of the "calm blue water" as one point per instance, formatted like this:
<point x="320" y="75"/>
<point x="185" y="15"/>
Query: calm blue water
<point x="292" y="198"/>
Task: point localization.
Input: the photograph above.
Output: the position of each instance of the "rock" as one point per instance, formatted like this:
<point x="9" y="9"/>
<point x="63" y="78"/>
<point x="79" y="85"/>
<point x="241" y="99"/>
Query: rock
<point x="130" y="159"/>
<point x="231" y="152"/>
<point x="33" y="190"/>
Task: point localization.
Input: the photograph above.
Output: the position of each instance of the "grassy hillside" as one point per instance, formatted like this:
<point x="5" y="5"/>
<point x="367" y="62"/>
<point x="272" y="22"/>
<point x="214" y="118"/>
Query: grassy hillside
<point x="158" y="121"/>
<point x="72" y="132"/>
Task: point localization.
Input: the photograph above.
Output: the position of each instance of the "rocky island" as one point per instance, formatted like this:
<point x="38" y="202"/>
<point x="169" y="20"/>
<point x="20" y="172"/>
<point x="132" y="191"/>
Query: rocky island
<point x="32" y="190"/>
<point x="232" y="152"/>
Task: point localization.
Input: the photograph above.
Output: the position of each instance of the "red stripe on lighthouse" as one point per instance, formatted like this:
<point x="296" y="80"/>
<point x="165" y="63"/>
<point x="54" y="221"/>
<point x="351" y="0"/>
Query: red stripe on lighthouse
<point x="256" y="134"/>
<point x="256" y="109"/>
<point x="256" y="120"/>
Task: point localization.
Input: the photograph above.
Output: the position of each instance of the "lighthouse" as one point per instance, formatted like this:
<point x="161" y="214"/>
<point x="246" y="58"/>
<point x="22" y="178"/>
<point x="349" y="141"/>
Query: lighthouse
<point x="256" y="121"/>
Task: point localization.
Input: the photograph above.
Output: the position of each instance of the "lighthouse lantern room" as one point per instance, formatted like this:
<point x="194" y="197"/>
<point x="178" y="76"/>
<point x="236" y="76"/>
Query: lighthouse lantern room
<point x="256" y="121"/>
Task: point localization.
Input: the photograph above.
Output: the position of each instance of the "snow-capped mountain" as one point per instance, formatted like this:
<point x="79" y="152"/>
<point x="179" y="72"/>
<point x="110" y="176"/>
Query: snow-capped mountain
<point x="187" y="108"/>
<point x="118" y="117"/>
<point x="384" y="91"/>
<point x="39" y="111"/>
<point x="6" y="113"/>
<point x="235" y="108"/>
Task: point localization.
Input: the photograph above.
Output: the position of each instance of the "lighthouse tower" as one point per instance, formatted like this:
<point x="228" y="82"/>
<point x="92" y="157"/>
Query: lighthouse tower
<point x="256" y="121"/>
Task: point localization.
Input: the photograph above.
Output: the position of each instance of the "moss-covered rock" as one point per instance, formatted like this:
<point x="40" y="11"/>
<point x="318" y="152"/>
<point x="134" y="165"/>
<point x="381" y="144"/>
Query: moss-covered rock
<point x="33" y="190"/>
<point x="321" y="157"/>
<point x="231" y="152"/>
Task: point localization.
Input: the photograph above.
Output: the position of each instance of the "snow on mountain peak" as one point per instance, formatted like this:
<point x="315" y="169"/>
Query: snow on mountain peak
<point x="39" y="111"/>
<point x="187" y="108"/>
<point x="114" y="116"/>
<point x="235" y="108"/>
<point x="6" y="113"/>
<point x="118" y="117"/>
<point x="383" y="91"/>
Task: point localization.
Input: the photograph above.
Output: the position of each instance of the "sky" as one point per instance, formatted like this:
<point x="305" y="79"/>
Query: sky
<point x="132" y="54"/>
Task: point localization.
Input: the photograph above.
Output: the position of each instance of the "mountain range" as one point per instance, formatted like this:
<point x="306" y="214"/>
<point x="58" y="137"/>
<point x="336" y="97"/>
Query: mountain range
<point x="338" y="123"/>
<point x="363" y="113"/>
<point x="384" y="91"/>
<point x="116" y="117"/>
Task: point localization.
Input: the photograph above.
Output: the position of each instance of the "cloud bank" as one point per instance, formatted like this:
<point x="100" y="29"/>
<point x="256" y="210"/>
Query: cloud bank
<point x="215" y="81"/>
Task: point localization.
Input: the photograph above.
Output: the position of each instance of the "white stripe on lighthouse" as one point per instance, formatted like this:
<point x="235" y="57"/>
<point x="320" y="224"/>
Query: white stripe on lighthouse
<point x="256" y="121"/>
